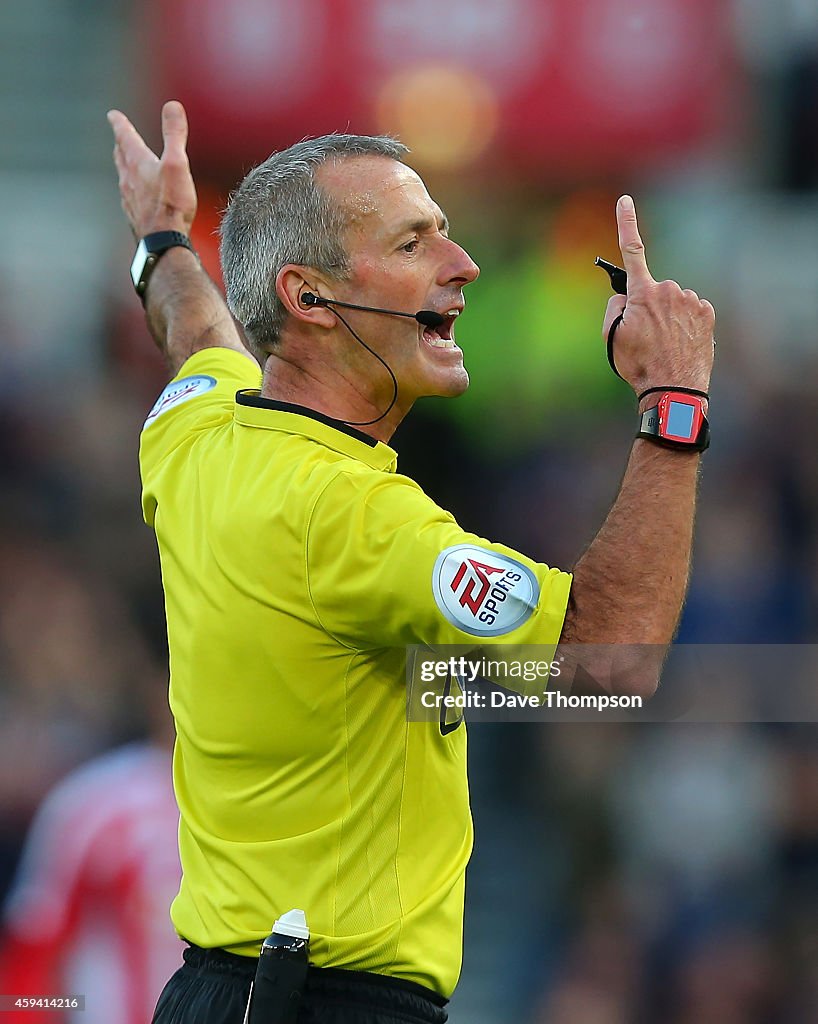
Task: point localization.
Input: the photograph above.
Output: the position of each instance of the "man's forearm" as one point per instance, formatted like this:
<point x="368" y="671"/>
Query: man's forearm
<point x="630" y="585"/>
<point x="186" y="312"/>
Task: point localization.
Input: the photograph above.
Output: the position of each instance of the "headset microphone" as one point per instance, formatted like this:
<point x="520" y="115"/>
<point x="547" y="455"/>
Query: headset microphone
<point x="426" y="317"/>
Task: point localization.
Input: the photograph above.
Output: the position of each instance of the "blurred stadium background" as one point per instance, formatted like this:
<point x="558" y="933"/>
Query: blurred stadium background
<point x="622" y="873"/>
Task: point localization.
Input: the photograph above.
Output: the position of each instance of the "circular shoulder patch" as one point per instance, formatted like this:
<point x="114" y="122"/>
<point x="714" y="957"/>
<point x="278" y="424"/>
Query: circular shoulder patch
<point x="483" y="592"/>
<point x="179" y="391"/>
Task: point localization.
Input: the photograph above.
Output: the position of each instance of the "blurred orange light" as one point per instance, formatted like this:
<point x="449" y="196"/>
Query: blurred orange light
<point x="446" y="115"/>
<point x="205" y="233"/>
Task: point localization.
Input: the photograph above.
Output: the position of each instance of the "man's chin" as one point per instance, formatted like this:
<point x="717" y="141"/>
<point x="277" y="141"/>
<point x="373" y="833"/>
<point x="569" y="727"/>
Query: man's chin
<point x="461" y="386"/>
<point x="449" y="384"/>
<point x="454" y="383"/>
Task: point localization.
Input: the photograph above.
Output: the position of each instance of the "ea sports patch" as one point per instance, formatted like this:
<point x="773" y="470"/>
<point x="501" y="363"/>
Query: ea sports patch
<point x="179" y="391"/>
<point x="483" y="592"/>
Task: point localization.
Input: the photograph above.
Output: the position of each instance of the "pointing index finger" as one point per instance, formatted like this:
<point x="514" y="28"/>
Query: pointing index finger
<point x="631" y="244"/>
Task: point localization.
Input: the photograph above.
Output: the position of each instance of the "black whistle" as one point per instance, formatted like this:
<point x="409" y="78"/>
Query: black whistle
<point x="619" y="278"/>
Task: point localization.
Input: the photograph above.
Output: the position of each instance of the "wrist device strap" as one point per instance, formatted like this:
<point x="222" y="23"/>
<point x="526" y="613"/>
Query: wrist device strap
<point x="148" y="253"/>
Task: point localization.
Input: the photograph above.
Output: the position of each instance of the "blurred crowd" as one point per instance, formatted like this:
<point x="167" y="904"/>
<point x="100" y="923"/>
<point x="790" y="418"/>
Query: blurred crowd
<point x="624" y="873"/>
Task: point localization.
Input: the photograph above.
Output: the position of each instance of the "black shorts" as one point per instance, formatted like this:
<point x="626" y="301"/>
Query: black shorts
<point x="212" y="987"/>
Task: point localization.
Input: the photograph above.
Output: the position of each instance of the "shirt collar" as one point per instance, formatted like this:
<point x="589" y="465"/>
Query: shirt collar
<point x="252" y="410"/>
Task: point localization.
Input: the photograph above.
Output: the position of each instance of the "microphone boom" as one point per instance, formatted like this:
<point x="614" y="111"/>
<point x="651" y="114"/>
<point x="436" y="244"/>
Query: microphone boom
<point x="426" y="317"/>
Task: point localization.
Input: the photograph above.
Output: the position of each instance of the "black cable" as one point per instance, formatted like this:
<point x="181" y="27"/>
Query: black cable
<point x="684" y="391"/>
<point x="367" y="423"/>
<point x="611" y="333"/>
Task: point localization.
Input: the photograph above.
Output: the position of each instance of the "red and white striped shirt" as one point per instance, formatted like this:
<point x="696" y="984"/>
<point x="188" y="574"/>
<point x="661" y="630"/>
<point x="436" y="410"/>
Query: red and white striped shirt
<point x="88" y="912"/>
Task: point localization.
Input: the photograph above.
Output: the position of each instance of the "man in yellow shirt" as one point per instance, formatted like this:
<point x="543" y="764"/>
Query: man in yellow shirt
<point x="298" y="564"/>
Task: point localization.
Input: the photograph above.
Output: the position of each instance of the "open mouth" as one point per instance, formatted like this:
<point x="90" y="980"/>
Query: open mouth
<point x="443" y="336"/>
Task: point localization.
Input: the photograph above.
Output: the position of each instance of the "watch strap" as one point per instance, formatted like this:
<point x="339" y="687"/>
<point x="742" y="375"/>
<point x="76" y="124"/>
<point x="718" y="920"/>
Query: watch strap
<point x="154" y="246"/>
<point x="649" y="424"/>
<point x="160" y="241"/>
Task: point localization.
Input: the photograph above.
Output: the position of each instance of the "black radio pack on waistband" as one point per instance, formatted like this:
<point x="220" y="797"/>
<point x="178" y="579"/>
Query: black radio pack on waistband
<point x="281" y="973"/>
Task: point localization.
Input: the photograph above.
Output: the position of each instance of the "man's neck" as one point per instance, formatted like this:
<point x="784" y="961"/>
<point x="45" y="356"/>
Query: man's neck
<point x="316" y="385"/>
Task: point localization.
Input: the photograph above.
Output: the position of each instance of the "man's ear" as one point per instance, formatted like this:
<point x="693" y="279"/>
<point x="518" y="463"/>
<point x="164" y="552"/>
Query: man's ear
<point x="292" y="282"/>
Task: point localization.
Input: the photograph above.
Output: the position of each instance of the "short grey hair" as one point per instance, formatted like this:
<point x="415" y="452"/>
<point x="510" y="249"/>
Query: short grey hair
<point x="279" y="215"/>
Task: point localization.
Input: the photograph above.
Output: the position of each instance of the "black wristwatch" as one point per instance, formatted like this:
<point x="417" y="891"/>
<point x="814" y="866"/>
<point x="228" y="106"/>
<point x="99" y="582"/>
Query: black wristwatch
<point x="147" y="256"/>
<point x="678" y="421"/>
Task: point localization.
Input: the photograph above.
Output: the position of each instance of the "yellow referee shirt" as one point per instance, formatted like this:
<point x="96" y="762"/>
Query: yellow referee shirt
<point x="297" y="564"/>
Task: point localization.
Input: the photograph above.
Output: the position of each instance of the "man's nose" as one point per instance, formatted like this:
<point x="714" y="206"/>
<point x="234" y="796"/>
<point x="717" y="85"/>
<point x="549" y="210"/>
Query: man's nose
<point x="460" y="268"/>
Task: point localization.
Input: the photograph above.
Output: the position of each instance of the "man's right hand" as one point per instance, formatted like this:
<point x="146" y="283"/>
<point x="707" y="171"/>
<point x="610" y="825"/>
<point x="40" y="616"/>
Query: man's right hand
<point x="665" y="338"/>
<point x="157" y="194"/>
<point x="185" y="311"/>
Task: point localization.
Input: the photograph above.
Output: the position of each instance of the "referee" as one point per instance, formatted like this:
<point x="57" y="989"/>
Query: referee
<point x="297" y="563"/>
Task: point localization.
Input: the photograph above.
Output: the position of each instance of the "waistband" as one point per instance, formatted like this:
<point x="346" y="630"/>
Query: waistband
<point x="376" y="990"/>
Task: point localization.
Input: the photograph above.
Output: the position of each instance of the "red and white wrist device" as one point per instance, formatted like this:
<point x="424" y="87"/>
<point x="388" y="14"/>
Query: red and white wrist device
<point x="677" y="421"/>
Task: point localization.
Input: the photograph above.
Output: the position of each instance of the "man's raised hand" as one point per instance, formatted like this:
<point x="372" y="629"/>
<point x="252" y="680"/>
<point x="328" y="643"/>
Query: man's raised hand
<point x="157" y="194"/>
<point x="186" y="312"/>
<point x="665" y="338"/>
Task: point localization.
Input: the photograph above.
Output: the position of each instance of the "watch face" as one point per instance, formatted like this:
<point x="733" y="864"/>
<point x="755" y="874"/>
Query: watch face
<point x="680" y="420"/>
<point x="680" y="417"/>
<point x="138" y="264"/>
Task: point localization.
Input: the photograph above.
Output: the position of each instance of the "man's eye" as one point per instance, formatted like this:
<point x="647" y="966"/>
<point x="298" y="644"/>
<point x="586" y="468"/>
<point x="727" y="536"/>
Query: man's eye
<point x="410" y="246"/>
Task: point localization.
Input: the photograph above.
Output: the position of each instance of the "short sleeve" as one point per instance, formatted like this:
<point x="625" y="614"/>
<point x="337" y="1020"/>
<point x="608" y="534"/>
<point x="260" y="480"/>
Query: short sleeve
<point x="199" y="397"/>
<point x="387" y="566"/>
